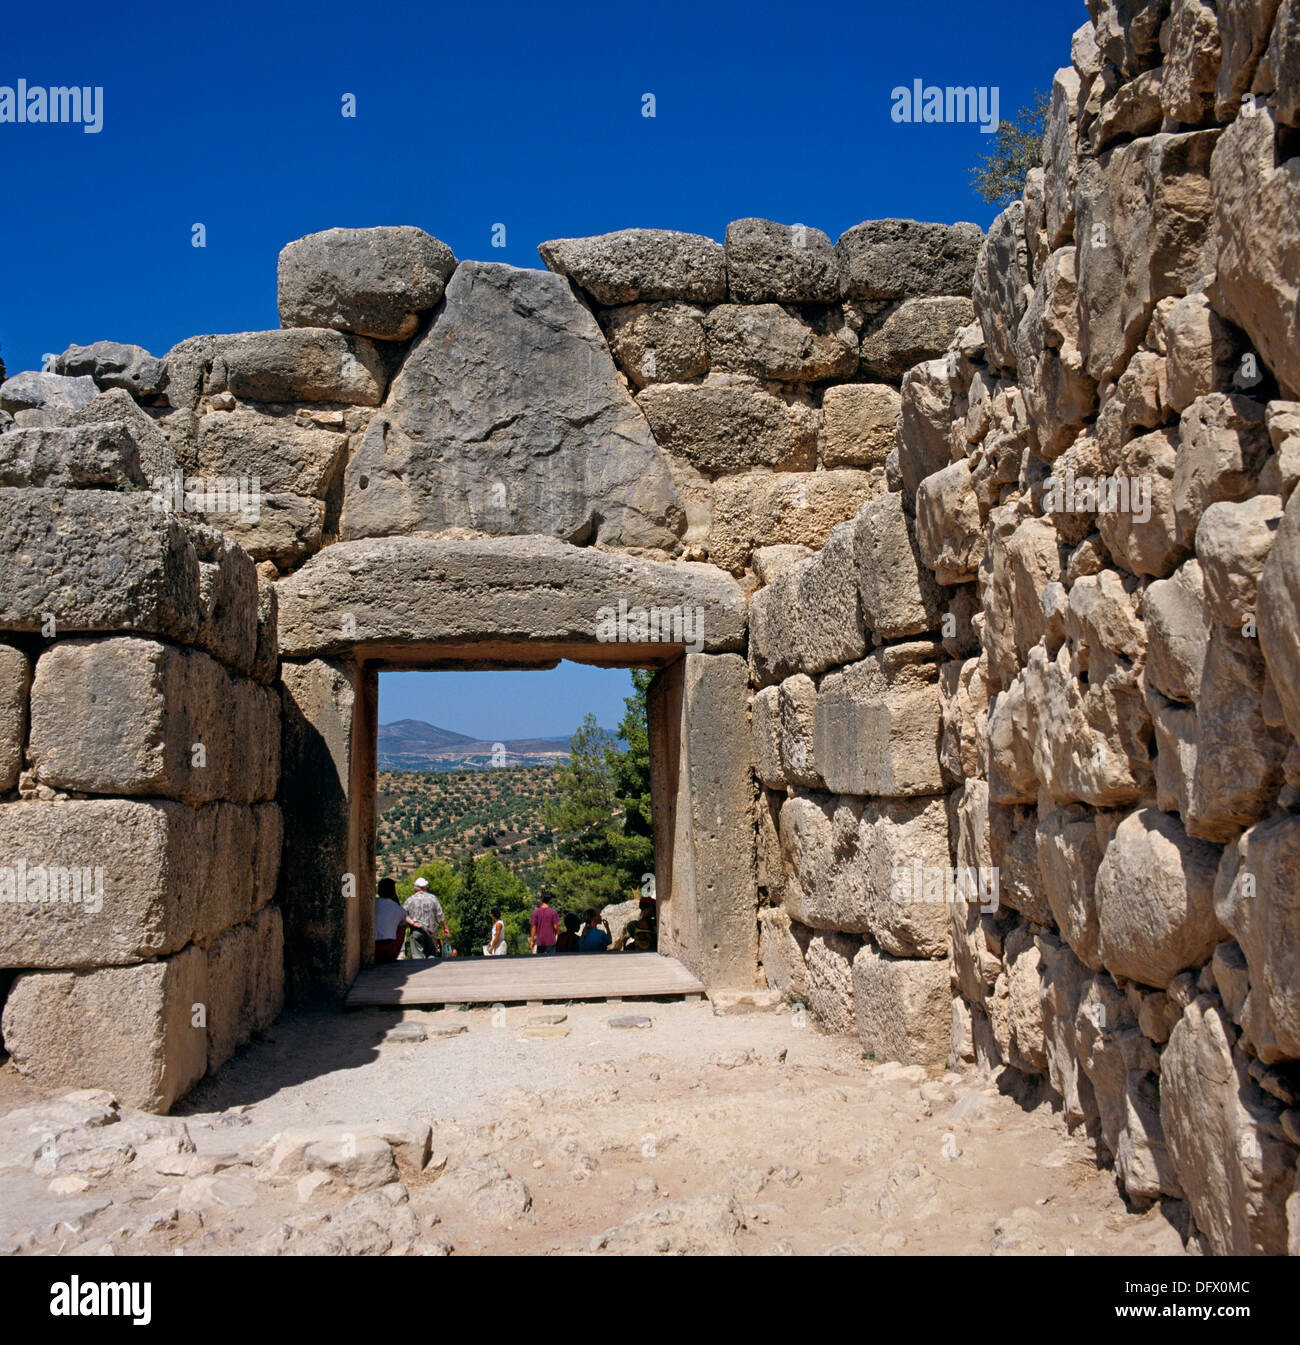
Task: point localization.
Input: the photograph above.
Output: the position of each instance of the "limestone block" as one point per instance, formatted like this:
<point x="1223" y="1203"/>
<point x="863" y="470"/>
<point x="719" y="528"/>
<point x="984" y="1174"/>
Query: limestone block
<point x="83" y="457"/>
<point x="101" y="882"/>
<point x="1178" y="633"/>
<point x="772" y="508"/>
<point x="373" y="282"/>
<point x="902" y="1008"/>
<point x="730" y="422"/>
<point x="779" y="263"/>
<point x="900" y="259"/>
<point x="1144" y="229"/>
<point x="797" y="705"/>
<point x="293" y="364"/>
<point x="877" y="726"/>
<point x="931" y="405"/>
<point x="898" y="594"/>
<point x="915" y="330"/>
<point x="1232" y="543"/>
<point x="633" y="265"/>
<point x="1255" y="897"/>
<point x="1284" y="66"/>
<point x="15" y="680"/>
<point x="96" y="561"/>
<point x="1223" y="442"/>
<point x="1244" y="28"/>
<point x="54" y="394"/>
<point x="850" y="867"/>
<point x="1002" y="285"/>
<point x="765" y="728"/>
<point x="1070" y="843"/>
<point x="1192" y="57"/>
<point x="284" y="528"/>
<point x="1060" y="158"/>
<point x="1022" y="559"/>
<point x="1238" y="757"/>
<point x="136" y="717"/>
<point x="1147" y="539"/>
<point x="287" y="448"/>
<point x="420" y="591"/>
<point x="1176" y="752"/>
<point x="1223" y="1137"/>
<point x="229" y="606"/>
<point x="965" y="718"/>
<point x="859" y="424"/>
<point x="771" y="342"/>
<point x="1065" y="981"/>
<point x="1155" y="900"/>
<point x="657" y="343"/>
<point x="1133" y="110"/>
<point x="829" y="962"/>
<point x="782" y="944"/>
<point x="114" y="365"/>
<point x="807" y="619"/>
<point x="125" y="1029"/>
<point x="1257" y="279"/>
<point x="1278" y="599"/>
<point x="508" y="416"/>
<point x="949" y="530"/>
<point x="1011" y="774"/>
<point x="157" y="457"/>
<point x="232" y="973"/>
<point x="1202" y="350"/>
<point x="1128" y="31"/>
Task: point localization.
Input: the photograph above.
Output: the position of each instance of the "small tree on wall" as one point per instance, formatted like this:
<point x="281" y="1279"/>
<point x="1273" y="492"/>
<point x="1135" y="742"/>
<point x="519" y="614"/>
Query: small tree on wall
<point x="1001" y="175"/>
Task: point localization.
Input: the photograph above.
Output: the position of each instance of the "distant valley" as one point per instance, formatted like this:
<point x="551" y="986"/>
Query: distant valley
<point x="413" y="745"/>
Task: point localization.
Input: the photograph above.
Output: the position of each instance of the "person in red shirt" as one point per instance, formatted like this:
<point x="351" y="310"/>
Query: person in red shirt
<point x="543" y="927"/>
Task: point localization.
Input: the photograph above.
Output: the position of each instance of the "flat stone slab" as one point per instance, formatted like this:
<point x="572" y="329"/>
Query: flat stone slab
<point x="539" y="1031"/>
<point x="401" y="597"/>
<point x="630" y="1020"/>
<point x="450" y="1030"/>
<point x="544" y="1019"/>
<point x="728" y="1002"/>
<point x="405" y="1032"/>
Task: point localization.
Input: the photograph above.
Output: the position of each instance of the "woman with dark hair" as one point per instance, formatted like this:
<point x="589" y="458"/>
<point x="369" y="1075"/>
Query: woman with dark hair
<point x="567" y="940"/>
<point x="391" y="923"/>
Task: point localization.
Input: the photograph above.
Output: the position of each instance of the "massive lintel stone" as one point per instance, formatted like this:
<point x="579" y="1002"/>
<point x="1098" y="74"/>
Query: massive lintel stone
<point x="131" y="1030"/>
<point x="632" y="265"/>
<point x="404" y="594"/>
<point x="374" y="282"/>
<point x="902" y="259"/>
<point x="96" y="561"/>
<point x="508" y="416"/>
<point x="779" y="263"/>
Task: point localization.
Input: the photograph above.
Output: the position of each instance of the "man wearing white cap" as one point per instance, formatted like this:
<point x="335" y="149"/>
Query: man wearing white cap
<point x="425" y="911"/>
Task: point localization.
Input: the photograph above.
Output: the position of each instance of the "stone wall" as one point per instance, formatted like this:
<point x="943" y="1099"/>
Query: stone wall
<point x="987" y="749"/>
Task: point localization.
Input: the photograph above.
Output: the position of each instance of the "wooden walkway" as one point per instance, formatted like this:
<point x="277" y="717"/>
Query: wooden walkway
<point x="526" y="978"/>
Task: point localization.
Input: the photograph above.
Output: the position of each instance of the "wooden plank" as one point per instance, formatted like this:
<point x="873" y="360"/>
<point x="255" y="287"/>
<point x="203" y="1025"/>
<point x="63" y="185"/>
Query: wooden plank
<point x="493" y="980"/>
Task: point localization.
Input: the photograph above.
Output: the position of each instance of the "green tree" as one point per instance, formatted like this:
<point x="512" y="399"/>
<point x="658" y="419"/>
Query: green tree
<point x="1000" y="176"/>
<point x="633" y="842"/>
<point x="473" y="921"/>
<point x="583" y="871"/>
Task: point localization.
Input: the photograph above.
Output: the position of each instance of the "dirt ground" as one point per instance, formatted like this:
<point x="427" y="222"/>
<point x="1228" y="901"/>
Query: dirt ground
<point x="688" y="1133"/>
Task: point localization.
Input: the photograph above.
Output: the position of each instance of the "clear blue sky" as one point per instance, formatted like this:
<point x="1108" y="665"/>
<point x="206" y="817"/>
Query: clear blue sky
<point x="468" y="116"/>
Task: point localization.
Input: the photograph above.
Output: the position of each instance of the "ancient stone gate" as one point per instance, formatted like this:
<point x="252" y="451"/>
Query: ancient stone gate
<point x="996" y="546"/>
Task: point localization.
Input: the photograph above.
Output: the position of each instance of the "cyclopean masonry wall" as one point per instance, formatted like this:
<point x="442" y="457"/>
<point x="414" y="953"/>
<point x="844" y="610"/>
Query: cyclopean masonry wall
<point x="924" y="646"/>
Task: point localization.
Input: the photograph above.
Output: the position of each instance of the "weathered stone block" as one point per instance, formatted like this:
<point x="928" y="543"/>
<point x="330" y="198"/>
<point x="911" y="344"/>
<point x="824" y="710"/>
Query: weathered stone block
<point x="1178" y="633"/>
<point x="916" y="330"/>
<point x="1070" y="843"/>
<point x="859" y="424"/>
<point x="657" y="343"/>
<point x="771" y="342"/>
<point x="730" y="422"/>
<point x="129" y="1030"/>
<point x="15" y="679"/>
<point x="901" y="259"/>
<point x="807" y="618"/>
<point x="1223" y="441"/>
<point x="632" y="265"/>
<point x="898" y="594"/>
<point x="95" y="561"/>
<point x="902" y="1008"/>
<point x="83" y="457"/>
<point x="878" y="724"/>
<point x="1155" y="900"/>
<point x="782" y="944"/>
<point x="286" y="448"/>
<point x="1232" y="543"/>
<point x="114" y="365"/>
<point x="949" y="530"/>
<point x="1223" y="1137"/>
<point x="1255" y="896"/>
<point x="232" y="972"/>
<point x="829" y="961"/>
<point x="374" y="282"/>
<point x="779" y="263"/>
<point x="131" y="716"/>
<point x="508" y="416"/>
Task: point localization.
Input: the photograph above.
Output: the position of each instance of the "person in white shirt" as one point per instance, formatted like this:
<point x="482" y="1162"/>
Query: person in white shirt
<point x="496" y="945"/>
<point x="391" y="923"/>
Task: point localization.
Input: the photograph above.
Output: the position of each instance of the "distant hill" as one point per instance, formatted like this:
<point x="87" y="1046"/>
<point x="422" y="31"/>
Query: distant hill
<point x="413" y="745"/>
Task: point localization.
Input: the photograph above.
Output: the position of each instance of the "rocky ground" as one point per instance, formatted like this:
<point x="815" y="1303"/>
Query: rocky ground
<point x="639" y="1127"/>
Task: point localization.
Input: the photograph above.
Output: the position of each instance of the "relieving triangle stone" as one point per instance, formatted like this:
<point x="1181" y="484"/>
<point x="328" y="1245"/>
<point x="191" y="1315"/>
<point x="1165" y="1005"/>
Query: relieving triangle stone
<point x="508" y="416"/>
